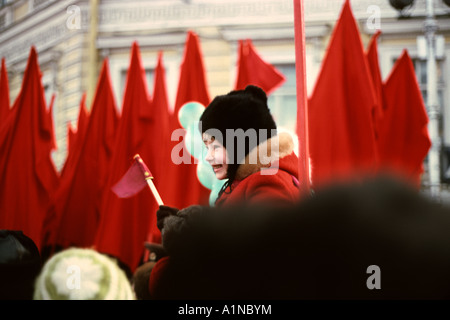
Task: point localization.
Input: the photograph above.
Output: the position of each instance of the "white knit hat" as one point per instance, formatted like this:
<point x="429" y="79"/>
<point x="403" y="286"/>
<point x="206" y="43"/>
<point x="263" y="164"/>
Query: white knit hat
<point x="82" y="274"/>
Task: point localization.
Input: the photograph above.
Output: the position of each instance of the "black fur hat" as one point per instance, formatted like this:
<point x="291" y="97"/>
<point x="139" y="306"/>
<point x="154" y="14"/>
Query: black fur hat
<point x="239" y="109"/>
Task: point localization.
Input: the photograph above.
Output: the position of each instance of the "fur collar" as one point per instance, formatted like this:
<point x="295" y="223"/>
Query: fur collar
<point x="266" y="154"/>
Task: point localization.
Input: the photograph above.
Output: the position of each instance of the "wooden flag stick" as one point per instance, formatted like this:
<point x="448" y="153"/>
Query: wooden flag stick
<point x="154" y="191"/>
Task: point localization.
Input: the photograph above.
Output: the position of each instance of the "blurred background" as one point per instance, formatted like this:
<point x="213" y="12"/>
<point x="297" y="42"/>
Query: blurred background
<point x="72" y="37"/>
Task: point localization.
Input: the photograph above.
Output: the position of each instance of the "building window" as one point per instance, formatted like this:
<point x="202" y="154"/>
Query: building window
<point x="2" y="21"/>
<point x="37" y="3"/>
<point x="420" y="67"/>
<point x="283" y="101"/>
<point x="4" y="3"/>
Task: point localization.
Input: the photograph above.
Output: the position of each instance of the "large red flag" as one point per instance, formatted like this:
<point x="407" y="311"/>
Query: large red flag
<point x="50" y="117"/>
<point x="404" y="140"/>
<point x="73" y="133"/>
<point x="252" y="69"/>
<point x="341" y="135"/>
<point x="124" y="223"/>
<point x="76" y="207"/>
<point x="162" y="133"/>
<point x="192" y="87"/>
<point x="374" y="66"/>
<point x="4" y="93"/>
<point x="27" y="174"/>
<point x="83" y="118"/>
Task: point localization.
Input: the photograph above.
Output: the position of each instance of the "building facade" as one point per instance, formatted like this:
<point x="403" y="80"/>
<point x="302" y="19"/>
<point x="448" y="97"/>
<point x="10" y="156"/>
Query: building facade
<point x="72" y="37"/>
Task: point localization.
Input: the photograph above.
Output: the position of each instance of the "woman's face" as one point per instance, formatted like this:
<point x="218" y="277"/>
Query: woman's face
<point x="216" y="156"/>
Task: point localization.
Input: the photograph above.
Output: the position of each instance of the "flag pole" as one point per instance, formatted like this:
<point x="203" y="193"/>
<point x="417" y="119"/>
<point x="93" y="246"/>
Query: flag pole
<point x="154" y="191"/>
<point x="302" y="110"/>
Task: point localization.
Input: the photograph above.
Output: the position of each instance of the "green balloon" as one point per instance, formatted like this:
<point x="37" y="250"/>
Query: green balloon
<point x="194" y="142"/>
<point x="205" y="174"/>
<point x="189" y="113"/>
<point x="217" y="185"/>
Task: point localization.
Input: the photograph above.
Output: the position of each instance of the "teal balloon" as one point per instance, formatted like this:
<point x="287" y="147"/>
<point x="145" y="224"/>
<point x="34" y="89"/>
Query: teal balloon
<point x="212" y="198"/>
<point x="206" y="174"/>
<point x="194" y="142"/>
<point x="217" y="185"/>
<point x="189" y="113"/>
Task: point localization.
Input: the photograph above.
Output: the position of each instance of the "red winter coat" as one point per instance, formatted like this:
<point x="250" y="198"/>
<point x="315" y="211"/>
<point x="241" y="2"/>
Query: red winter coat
<point x="271" y="176"/>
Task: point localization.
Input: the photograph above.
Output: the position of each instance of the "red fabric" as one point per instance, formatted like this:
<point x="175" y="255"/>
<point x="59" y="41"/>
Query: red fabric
<point x="374" y="66"/>
<point x="341" y="136"/>
<point x="76" y="208"/>
<point x="27" y="175"/>
<point x="404" y="139"/>
<point x="192" y="87"/>
<point x="72" y="134"/>
<point x="258" y="188"/>
<point x="4" y="93"/>
<point x="50" y="119"/>
<point x="252" y="69"/>
<point x="157" y="278"/>
<point x="124" y="223"/>
<point x="134" y="180"/>
<point x="161" y="115"/>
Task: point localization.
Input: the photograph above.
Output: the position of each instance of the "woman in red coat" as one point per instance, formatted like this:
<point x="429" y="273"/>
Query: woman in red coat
<point x="243" y="147"/>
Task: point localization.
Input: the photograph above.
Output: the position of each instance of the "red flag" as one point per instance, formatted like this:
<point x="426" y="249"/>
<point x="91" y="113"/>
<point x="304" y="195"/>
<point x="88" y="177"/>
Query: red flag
<point x="252" y="69"/>
<point x="341" y="135"/>
<point x="27" y="175"/>
<point x="73" y="133"/>
<point x="134" y="180"/>
<point x="192" y="87"/>
<point x="302" y="101"/>
<point x="404" y="139"/>
<point x="124" y="223"/>
<point x="4" y="93"/>
<point x="50" y="116"/>
<point x="74" y="214"/>
<point x="374" y="66"/>
<point x="161" y="133"/>
<point x="192" y="84"/>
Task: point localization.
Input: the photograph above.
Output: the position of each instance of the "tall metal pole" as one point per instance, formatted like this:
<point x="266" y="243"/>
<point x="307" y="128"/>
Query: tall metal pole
<point x="432" y="102"/>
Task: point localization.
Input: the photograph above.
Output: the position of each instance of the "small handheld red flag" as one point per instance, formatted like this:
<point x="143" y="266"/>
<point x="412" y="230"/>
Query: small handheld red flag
<point x="134" y="180"/>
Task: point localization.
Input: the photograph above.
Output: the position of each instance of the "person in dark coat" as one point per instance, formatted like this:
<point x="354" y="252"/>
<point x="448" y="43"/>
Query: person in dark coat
<point x="377" y="239"/>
